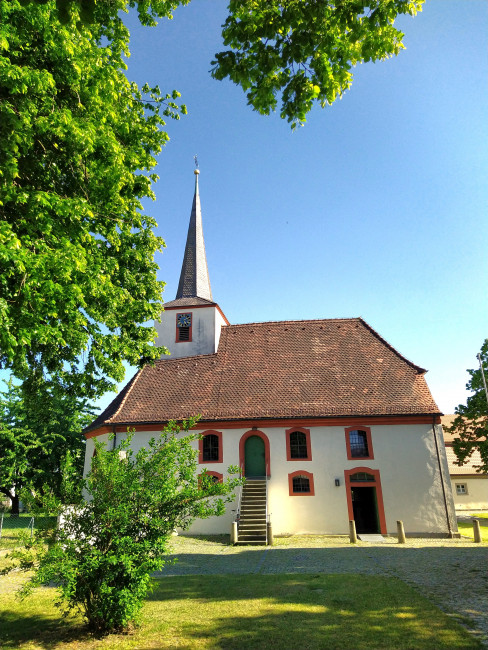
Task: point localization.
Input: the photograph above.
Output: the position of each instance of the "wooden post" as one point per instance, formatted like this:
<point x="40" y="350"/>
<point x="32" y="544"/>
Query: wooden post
<point x="477" y="531"/>
<point x="353" y="538"/>
<point x="234" y="536"/>
<point x="401" y="532"/>
<point x="269" y="533"/>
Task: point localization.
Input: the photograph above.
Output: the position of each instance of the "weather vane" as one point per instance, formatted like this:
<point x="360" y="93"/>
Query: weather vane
<point x="195" y="158"/>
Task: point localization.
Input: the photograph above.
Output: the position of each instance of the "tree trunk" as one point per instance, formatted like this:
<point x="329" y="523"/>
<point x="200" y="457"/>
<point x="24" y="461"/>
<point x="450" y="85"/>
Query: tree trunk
<point x="15" y="505"/>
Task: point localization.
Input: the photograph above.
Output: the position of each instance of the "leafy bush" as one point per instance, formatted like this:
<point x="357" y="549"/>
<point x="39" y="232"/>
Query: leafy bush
<point x="102" y="555"/>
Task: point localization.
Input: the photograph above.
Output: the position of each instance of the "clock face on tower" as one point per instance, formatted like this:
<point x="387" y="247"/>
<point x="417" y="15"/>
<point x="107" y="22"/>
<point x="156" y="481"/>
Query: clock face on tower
<point x="183" y="320"/>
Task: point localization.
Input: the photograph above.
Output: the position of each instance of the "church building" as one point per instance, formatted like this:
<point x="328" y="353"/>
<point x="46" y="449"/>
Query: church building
<point x="327" y="421"/>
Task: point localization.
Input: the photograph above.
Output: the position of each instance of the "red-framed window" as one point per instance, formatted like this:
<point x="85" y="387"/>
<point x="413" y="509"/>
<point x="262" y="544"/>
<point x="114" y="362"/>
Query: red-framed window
<point x="210" y="447"/>
<point x="359" y="443"/>
<point x="300" y="484"/>
<point x="217" y="476"/>
<point x="298" y="444"/>
<point x="184" y="324"/>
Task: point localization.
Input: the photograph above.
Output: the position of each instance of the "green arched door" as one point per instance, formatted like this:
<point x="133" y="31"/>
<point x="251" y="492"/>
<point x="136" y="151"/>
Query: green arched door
<point x="254" y="458"/>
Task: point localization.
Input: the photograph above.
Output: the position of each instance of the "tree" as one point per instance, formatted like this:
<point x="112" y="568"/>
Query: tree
<point x="303" y="51"/>
<point x="102" y="556"/>
<point x="471" y="421"/>
<point x="38" y="438"/>
<point x="18" y="447"/>
<point x="77" y="143"/>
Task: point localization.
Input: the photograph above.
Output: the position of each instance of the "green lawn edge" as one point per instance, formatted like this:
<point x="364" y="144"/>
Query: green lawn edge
<point x="250" y="611"/>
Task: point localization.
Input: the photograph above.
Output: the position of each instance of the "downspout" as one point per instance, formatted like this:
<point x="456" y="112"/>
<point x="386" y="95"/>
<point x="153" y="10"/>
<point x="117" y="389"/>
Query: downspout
<point x="442" y="478"/>
<point x="114" y="431"/>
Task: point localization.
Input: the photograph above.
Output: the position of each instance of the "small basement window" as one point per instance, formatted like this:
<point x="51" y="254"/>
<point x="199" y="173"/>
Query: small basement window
<point x="301" y="484"/>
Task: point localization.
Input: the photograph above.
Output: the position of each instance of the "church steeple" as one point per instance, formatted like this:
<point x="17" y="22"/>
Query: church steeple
<point x="194" y="279"/>
<point x="191" y="323"/>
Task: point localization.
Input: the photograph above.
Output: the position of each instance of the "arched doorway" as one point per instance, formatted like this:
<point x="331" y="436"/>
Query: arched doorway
<point x="254" y="454"/>
<point x="365" y="500"/>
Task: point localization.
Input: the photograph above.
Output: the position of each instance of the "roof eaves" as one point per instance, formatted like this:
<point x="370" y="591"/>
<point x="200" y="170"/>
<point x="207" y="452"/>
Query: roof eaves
<point x="122" y="396"/>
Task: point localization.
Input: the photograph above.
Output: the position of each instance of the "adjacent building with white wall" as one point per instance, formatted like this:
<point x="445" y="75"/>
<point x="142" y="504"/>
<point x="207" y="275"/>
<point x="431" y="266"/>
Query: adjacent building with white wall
<point x="325" y="416"/>
<point x="469" y="486"/>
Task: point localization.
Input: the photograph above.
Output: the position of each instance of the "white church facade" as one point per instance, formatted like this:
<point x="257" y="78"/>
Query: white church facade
<point x="327" y="421"/>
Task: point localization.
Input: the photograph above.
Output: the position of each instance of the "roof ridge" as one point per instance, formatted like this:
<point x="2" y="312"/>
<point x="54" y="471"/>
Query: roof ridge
<point x="289" y="322"/>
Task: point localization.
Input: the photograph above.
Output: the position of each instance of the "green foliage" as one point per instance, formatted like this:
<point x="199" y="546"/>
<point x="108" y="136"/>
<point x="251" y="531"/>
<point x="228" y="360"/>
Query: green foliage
<point x="471" y="422"/>
<point x="304" y="50"/>
<point x="19" y="446"/>
<point x="89" y="11"/>
<point x="77" y="144"/>
<point x="40" y="439"/>
<point x="102" y="556"/>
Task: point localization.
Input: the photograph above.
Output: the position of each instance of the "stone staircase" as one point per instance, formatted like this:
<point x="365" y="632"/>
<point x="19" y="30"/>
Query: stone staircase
<point x="252" y="520"/>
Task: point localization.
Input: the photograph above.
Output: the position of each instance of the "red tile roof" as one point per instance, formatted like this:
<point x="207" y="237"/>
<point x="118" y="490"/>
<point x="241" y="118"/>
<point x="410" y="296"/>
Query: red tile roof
<point x="466" y="469"/>
<point x="288" y="369"/>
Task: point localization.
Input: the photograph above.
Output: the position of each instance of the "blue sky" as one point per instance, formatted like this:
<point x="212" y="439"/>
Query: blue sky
<point x="375" y="208"/>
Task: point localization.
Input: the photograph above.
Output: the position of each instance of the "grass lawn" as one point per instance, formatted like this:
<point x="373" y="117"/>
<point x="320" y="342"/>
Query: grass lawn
<point x="466" y="529"/>
<point x="479" y="515"/>
<point x="14" y="526"/>
<point x="343" y="612"/>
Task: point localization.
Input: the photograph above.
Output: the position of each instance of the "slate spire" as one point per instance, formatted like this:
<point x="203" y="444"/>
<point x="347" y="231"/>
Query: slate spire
<point x="194" y="280"/>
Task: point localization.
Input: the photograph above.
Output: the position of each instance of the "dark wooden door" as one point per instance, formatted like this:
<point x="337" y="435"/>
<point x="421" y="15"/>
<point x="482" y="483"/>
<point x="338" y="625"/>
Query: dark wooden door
<point x="365" y="509"/>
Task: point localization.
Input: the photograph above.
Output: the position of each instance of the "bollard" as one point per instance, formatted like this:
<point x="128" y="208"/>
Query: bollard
<point x="353" y="538"/>
<point x="400" y="532"/>
<point x="234" y="535"/>
<point x="269" y="534"/>
<point x="477" y="531"/>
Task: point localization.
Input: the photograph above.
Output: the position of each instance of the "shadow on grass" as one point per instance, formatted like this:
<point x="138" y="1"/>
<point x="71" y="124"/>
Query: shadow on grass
<point x="307" y="611"/>
<point x="18" y="629"/>
<point x="437" y="572"/>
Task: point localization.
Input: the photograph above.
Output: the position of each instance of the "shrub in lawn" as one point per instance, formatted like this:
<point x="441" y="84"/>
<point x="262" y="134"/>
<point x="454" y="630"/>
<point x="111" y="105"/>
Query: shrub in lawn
<point x="102" y="556"/>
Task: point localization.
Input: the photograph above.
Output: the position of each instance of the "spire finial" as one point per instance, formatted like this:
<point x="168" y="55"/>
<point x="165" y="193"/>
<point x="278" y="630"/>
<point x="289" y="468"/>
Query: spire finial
<point x="196" y="171"/>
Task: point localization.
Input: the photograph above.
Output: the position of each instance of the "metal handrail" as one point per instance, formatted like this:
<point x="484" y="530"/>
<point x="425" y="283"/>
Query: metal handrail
<point x="238" y="511"/>
<point x="266" y="517"/>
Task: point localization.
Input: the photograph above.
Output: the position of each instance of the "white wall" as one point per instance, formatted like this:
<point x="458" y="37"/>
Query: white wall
<point x="405" y="455"/>
<point x="477" y="492"/>
<point x="206" y="324"/>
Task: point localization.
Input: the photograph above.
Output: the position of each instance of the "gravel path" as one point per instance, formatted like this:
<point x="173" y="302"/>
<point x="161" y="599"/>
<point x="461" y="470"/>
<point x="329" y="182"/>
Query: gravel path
<point x="451" y="573"/>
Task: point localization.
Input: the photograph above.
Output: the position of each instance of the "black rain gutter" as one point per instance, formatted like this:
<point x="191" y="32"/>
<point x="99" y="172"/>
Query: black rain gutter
<point x="442" y="478"/>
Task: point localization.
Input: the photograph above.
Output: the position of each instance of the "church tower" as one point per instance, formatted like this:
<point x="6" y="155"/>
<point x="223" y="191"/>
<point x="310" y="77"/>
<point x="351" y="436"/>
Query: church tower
<point x="191" y="323"/>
